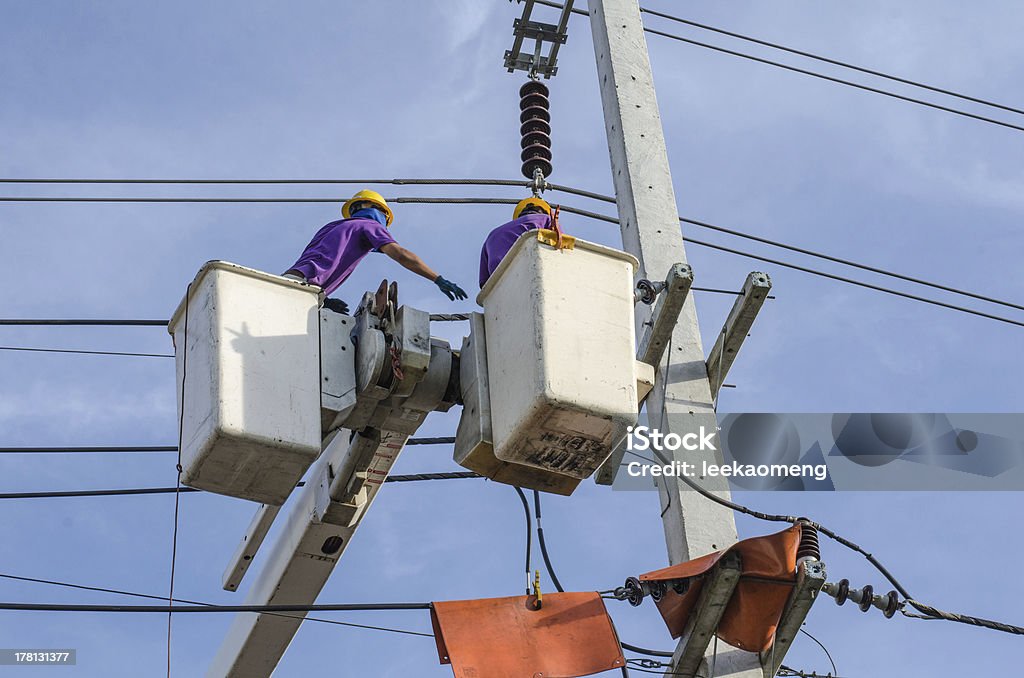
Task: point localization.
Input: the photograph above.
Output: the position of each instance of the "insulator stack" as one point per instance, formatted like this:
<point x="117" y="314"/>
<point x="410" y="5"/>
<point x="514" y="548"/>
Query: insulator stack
<point x="535" y="118"/>
<point x="808" y="548"/>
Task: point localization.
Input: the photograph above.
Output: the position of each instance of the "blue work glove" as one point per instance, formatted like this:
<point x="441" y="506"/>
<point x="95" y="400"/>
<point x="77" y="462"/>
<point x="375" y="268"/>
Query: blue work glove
<point x="449" y="289"/>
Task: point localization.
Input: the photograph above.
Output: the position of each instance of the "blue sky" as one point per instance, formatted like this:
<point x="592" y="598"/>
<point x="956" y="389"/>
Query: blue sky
<point x="398" y="89"/>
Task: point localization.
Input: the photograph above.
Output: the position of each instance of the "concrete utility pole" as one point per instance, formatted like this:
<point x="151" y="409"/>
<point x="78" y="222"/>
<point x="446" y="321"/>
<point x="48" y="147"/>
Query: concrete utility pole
<point x="650" y="226"/>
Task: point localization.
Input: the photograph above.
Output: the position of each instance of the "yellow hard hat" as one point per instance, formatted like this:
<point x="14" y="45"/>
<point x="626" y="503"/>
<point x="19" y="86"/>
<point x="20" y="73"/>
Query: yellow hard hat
<point x="367" y="195"/>
<point x="532" y="200"/>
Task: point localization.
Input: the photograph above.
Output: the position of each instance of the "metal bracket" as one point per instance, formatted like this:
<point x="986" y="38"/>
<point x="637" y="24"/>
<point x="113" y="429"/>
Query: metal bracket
<point x="737" y="325"/>
<point x="665" y="315"/>
<point x="714" y="596"/>
<point x="810" y="579"/>
<point x="668" y="305"/>
<point x="251" y="542"/>
<point x="524" y="28"/>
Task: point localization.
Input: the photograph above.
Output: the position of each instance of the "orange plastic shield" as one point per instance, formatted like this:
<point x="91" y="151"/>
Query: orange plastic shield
<point x="753" y="612"/>
<point x="571" y="635"/>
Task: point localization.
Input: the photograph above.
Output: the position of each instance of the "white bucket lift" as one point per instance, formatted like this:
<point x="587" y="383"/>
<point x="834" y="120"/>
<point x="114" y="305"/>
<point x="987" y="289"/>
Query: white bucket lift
<point x="247" y="347"/>
<point x="560" y="364"/>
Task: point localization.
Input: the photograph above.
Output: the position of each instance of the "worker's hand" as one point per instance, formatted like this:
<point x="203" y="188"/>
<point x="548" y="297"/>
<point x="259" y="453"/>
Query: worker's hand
<point x="449" y="289"/>
<point x="336" y="305"/>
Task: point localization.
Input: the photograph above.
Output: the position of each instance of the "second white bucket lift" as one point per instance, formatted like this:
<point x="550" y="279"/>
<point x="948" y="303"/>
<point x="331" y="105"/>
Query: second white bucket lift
<point x="562" y="380"/>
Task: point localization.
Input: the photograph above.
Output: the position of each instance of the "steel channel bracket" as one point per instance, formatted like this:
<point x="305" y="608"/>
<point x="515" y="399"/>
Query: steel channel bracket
<point x="250" y="544"/>
<point x="526" y="29"/>
<point x="737" y="325"/>
<point x="653" y="344"/>
<point x="810" y="578"/>
<point x="714" y="597"/>
<point x="665" y="315"/>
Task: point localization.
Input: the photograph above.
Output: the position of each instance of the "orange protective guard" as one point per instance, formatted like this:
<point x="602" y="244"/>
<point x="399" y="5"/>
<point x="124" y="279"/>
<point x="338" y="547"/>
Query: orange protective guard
<point x="571" y="635"/>
<point x="753" y="613"/>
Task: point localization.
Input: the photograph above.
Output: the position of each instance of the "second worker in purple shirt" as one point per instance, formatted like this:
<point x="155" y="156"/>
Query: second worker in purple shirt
<point x="528" y="215"/>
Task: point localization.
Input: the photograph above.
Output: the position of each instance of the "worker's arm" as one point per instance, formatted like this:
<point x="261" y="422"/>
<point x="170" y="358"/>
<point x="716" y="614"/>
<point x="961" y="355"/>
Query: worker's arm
<point x="409" y="260"/>
<point x="412" y="262"/>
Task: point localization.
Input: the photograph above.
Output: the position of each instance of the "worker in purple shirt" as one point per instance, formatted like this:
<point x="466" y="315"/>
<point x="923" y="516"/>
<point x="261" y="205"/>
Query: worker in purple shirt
<point x="531" y="213"/>
<point x="337" y="248"/>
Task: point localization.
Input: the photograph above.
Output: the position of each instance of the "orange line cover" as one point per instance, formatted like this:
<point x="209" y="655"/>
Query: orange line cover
<point x="753" y="613"/>
<point x="571" y="635"/>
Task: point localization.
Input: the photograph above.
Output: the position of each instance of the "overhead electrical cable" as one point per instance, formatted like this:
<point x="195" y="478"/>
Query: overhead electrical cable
<point x="834" y="62"/>
<point x="529" y="537"/>
<point x="100" y="449"/>
<point x="828" y="654"/>
<point x="608" y="219"/>
<point x="135" y="491"/>
<point x="176" y="609"/>
<point x="85" y="352"/>
<point x="927" y="611"/>
<point x="829" y="78"/>
<point x="134" y="594"/>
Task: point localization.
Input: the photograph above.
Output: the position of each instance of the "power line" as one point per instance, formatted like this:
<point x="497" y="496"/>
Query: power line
<point x="613" y="220"/>
<point x="100" y="449"/>
<point x="529" y="537"/>
<point x="134" y="594"/>
<point x="99" y="322"/>
<point x="927" y="611"/>
<point x="84" y="352"/>
<point x="858" y="283"/>
<point x="834" y="62"/>
<point x="289" y="181"/>
<point x="840" y="81"/>
<point x="135" y="491"/>
<point x="123" y="322"/>
<point x="554" y="578"/>
<point x="543" y="544"/>
<point x="822" y="76"/>
<point x="851" y="263"/>
<point x="103" y="449"/>
<point x="176" y="609"/>
<point x="824" y="649"/>
<point x="445" y="440"/>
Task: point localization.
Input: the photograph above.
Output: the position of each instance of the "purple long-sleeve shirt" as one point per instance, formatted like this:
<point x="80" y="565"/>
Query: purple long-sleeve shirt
<point x="336" y="249"/>
<point x="501" y="239"/>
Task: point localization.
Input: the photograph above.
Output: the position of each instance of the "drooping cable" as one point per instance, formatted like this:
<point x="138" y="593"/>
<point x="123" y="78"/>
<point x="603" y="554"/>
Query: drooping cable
<point x="177" y="479"/>
<point x="824" y="649"/>
<point x="543" y="544"/>
<point x="529" y="538"/>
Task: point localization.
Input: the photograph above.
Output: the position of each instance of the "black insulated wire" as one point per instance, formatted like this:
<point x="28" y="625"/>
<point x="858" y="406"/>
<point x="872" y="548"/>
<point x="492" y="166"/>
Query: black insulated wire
<point x="103" y="449"/>
<point x="133" y="594"/>
<point x="607" y="219"/>
<point x="829" y="78"/>
<point x="85" y="352"/>
<point x="406" y="478"/>
<point x="165" y="609"/>
<point x="529" y="537"/>
<point x="543" y="545"/>
<point x="833" y="62"/>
